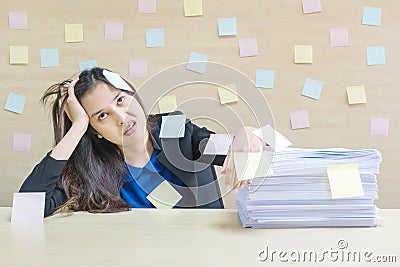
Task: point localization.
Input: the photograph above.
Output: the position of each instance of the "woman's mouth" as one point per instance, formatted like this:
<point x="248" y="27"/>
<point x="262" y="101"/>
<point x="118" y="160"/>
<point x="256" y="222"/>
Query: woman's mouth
<point x="130" y="128"/>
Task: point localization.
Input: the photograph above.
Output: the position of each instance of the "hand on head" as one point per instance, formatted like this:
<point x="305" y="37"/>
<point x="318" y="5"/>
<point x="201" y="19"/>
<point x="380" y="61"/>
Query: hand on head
<point x="73" y="108"/>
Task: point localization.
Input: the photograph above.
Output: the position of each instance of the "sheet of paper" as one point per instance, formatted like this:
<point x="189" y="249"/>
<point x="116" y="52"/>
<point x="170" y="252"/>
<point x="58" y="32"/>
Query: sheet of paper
<point x="272" y="137"/>
<point x="356" y="94"/>
<point x="376" y="55"/>
<point x="49" y="57"/>
<point x="344" y="180"/>
<point x="173" y="126"/>
<point x="379" y="126"/>
<point x="227" y="26"/>
<point x="155" y="37"/>
<point x="147" y="6"/>
<point x="218" y="144"/>
<point x="193" y="8"/>
<point x="87" y="64"/>
<point x="167" y="104"/>
<point x="138" y="68"/>
<point x="114" y="30"/>
<point x="252" y="165"/>
<point x="19" y="55"/>
<point x="311" y="6"/>
<point x="28" y="208"/>
<point x="15" y="103"/>
<point x="299" y="119"/>
<point x="372" y="16"/>
<point x="18" y="20"/>
<point x="116" y="80"/>
<point x="228" y="94"/>
<point x="164" y="196"/>
<point x="197" y="62"/>
<point x="248" y="47"/>
<point x="265" y="79"/>
<point x="303" y="54"/>
<point x="312" y="88"/>
<point x="22" y="142"/>
<point x="339" y="37"/>
<point x="73" y="33"/>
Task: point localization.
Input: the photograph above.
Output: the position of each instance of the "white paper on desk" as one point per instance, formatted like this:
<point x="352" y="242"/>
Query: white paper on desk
<point x="173" y="126"/>
<point x="28" y="207"/>
<point x="252" y="165"/>
<point x="218" y="144"/>
<point x="164" y="196"/>
<point x="116" y="80"/>
<point x="272" y="137"/>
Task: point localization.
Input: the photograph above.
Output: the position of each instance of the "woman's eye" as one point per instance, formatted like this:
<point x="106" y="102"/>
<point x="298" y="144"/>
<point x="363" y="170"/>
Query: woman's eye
<point x="102" y="116"/>
<point x="121" y="100"/>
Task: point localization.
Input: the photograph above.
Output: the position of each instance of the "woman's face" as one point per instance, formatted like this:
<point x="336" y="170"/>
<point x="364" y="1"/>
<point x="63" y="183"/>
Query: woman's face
<point x="115" y="115"/>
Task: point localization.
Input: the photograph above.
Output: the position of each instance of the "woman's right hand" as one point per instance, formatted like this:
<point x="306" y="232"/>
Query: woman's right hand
<point x="73" y="108"/>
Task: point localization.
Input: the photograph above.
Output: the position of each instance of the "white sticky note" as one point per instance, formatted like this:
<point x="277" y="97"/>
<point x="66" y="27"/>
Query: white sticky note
<point x="164" y="196"/>
<point x="173" y="126"/>
<point x="116" y="80"/>
<point x="28" y="207"/>
<point x="344" y="180"/>
<point x="252" y="165"/>
<point x="272" y="137"/>
<point x="218" y="144"/>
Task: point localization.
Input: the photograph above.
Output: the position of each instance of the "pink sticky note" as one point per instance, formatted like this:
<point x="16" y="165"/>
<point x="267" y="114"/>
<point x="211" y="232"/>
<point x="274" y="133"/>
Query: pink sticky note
<point x="18" y="20"/>
<point x="114" y="30"/>
<point x="299" y="119"/>
<point x="311" y="6"/>
<point x="248" y="47"/>
<point x="28" y="207"/>
<point x="147" y="6"/>
<point x="379" y="126"/>
<point x="138" y="68"/>
<point x="22" y="142"/>
<point x="339" y="37"/>
<point x="218" y="144"/>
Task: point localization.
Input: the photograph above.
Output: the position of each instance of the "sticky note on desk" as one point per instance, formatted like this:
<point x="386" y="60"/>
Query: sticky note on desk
<point x="265" y="78"/>
<point x="228" y="94"/>
<point x="227" y="26"/>
<point x="49" y="57"/>
<point x="18" y="20"/>
<point x="18" y="55"/>
<point x="218" y="144"/>
<point x="303" y="54"/>
<point x="147" y="6"/>
<point x="28" y="207"/>
<point x="22" y="142"/>
<point x="85" y="65"/>
<point x="15" y="103"/>
<point x="173" y="126"/>
<point x="167" y="104"/>
<point x="114" y="30"/>
<point x="376" y="55"/>
<point x="73" y="33"/>
<point x="356" y="94"/>
<point x="248" y="47"/>
<point x="193" y="8"/>
<point x="344" y="180"/>
<point x="311" y="6"/>
<point x="379" y="126"/>
<point x="372" y="16"/>
<point x="164" y="196"/>
<point x="252" y="165"/>
<point x="155" y="37"/>
<point x="138" y="68"/>
<point x="299" y="119"/>
<point x="197" y="62"/>
<point x="312" y="88"/>
<point x="272" y="137"/>
<point x="339" y="37"/>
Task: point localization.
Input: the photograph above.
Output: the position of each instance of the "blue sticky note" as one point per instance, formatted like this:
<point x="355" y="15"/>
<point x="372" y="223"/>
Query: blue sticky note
<point x="87" y="64"/>
<point x="312" y="88"/>
<point x="49" y="57"/>
<point x="173" y="126"/>
<point x="15" y="103"/>
<point x="227" y="26"/>
<point x="265" y="78"/>
<point x="372" y="16"/>
<point x="376" y="55"/>
<point x="197" y="62"/>
<point x="154" y="37"/>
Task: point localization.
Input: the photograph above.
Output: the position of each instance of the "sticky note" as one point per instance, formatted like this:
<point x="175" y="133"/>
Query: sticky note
<point x="312" y="88"/>
<point x="86" y="65"/>
<point x="167" y="104"/>
<point x="138" y="68"/>
<point x="372" y="16"/>
<point x="15" y="103"/>
<point x="116" y="80"/>
<point x="164" y="196"/>
<point x="227" y="26"/>
<point x="272" y="138"/>
<point x="265" y="78"/>
<point x="197" y="62"/>
<point x="356" y="94"/>
<point x="18" y="20"/>
<point x="73" y="33"/>
<point x="18" y="55"/>
<point x="379" y="126"/>
<point x="147" y="6"/>
<point x="154" y="37"/>
<point x="22" y="142"/>
<point x="339" y="37"/>
<point x="114" y="30"/>
<point x="311" y="6"/>
<point x="376" y="55"/>
<point x="303" y="54"/>
<point x="49" y="57"/>
<point x="227" y="94"/>
<point x="218" y="144"/>
<point x="173" y="126"/>
<point x="193" y="8"/>
<point x="299" y="119"/>
<point x="344" y="180"/>
<point x="248" y="47"/>
<point x="252" y="165"/>
<point x="28" y="207"/>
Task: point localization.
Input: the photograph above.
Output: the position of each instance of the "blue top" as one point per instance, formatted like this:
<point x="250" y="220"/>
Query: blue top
<point x="140" y="182"/>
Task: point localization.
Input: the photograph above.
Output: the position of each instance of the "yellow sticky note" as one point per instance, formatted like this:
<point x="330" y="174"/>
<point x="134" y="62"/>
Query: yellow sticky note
<point x="228" y="95"/>
<point x="167" y="104"/>
<point x="18" y="55"/>
<point x="252" y="165"/>
<point x="356" y="94"/>
<point x="73" y="33"/>
<point x="344" y="180"/>
<point x="193" y="8"/>
<point x="303" y="54"/>
<point x="164" y="196"/>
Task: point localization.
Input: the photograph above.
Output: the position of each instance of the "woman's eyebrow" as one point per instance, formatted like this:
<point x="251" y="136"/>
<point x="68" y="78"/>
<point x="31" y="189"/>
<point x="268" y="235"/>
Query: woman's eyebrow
<point x="97" y="112"/>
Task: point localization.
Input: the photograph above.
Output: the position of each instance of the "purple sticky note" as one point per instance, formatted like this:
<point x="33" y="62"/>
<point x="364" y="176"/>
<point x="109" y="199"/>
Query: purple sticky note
<point x="248" y="47"/>
<point x="114" y="30"/>
<point x="28" y="207"/>
<point x="311" y="6"/>
<point x="18" y="20"/>
<point x="339" y="37"/>
<point x="138" y="68"/>
<point x="379" y="126"/>
<point x="22" y="142"/>
<point x="299" y="119"/>
<point x="147" y="6"/>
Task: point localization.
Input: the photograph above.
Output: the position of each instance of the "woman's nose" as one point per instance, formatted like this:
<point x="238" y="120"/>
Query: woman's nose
<point x="120" y="115"/>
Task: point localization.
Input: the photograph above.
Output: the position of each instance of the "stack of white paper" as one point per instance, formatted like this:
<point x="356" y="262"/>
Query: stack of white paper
<point x="313" y="188"/>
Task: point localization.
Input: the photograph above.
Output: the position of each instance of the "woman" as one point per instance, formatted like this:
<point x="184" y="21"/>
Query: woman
<point x="109" y="156"/>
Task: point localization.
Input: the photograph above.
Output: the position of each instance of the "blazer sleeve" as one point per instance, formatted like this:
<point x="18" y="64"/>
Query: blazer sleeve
<point x="44" y="178"/>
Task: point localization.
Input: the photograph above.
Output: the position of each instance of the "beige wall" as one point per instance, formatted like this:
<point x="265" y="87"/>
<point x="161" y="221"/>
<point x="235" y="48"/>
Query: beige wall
<point x="278" y="25"/>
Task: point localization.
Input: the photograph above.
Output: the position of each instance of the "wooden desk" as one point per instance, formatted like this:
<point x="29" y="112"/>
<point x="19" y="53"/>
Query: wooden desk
<point x="150" y="237"/>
